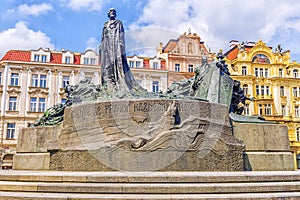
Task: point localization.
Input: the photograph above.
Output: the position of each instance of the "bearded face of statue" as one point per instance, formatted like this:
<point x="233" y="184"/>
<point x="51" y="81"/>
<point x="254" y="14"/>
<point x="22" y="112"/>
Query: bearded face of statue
<point x="112" y="14"/>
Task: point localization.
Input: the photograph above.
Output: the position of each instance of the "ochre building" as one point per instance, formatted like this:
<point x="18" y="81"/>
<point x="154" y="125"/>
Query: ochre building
<point x="273" y="80"/>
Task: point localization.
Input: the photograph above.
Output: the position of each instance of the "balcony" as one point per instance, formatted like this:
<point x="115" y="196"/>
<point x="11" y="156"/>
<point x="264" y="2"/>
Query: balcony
<point x="263" y="96"/>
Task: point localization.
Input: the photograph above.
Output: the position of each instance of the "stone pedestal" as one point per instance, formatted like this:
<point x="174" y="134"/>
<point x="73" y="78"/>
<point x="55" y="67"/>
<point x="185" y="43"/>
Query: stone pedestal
<point x="267" y="146"/>
<point x="135" y="135"/>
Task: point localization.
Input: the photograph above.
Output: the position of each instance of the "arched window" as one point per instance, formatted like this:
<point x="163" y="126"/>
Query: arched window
<point x="295" y="73"/>
<point x="282" y="91"/>
<point x="261" y="58"/>
<point x="298" y="134"/>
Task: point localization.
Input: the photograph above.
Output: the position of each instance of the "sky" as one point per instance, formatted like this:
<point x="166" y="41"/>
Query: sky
<point x="76" y="25"/>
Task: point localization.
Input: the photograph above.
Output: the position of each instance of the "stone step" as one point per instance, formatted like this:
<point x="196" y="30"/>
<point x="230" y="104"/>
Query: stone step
<point x="36" y="185"/>
<point x="150" y="188"/>
<point x="150" y="177"/>
<point x="72" y="196"/>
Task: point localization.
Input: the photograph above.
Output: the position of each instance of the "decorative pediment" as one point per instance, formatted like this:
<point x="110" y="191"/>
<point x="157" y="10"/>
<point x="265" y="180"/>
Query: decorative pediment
<point x="14" y="90"/>
<point x="38" y="91"/>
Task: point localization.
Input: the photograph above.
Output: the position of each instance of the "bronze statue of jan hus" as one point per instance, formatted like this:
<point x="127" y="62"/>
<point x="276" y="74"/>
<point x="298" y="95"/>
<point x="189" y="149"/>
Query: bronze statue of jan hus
<point x="115" y="72"/>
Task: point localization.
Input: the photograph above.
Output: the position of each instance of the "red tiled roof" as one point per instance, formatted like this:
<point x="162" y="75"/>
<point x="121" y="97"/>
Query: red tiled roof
<point x="17" y="55"/>
<point x="170" y="46"/>
<point x="77" y="60"/>
<point x="232" y="53"/>
<point x="25" y="56"/>
<point x="56" y="58"/>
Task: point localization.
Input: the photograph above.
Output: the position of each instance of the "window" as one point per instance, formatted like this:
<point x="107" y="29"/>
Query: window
<point x="67" y="59"/>
<point x="246" y="109"/>
<point x="256" y="72"/>
<point x="260" y="109"/>
<point x="44" y="58"/>
<point x="190" y="68"/>
<point x="267" y="90"/>
<point x="131" y="64"/>
<point x="281" y="91"/>
<point x="266" y="73"/>
<point x="268" y="109"/>
<point x="245" y="88"/>
<point x="89" y="61"/>
<point x="43" y="80"/>
<point x="11" y="129"/>
<point x="86" y="61"/>
<point x="283" y="110"/>
<point x="155" y="86"/>
<point x="14" y="81"/>
<point x="280" y="72"/>
<point x="38" y="80"/>
<point x="93" y="61"/>
<point x="42" y="104"/>
<point x="65" y="81"/>
<point x="12" y="105"/>
<point x="262" y="89"/>
<point x="296" y="111"/>
<point x="0" y="78"/>
<point x="37" y="104"/>
<point x="295" y="93"/>
<point x="33" y="104"/>
<point x="155" y="65"/>
<point x="36" y="58"/>
<point x="261" y="72"/>
<point x="257" y="90"/>
<point x="244" y="70"/>
<point x="34" y="80"/>
<point x="138" y="64"/>
<point x="177" y="67"/>
<point x="298" y="134"/>
<point x="295" y="73"/>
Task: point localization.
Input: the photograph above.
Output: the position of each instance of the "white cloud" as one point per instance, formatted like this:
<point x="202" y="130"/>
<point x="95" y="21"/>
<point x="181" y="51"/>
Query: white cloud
<point x="77" y="5"/>
<point x="92" y="43"/>
<point x="27" y="10"/>
<point x="218" y="22"/>
<point x="21" y="37"/>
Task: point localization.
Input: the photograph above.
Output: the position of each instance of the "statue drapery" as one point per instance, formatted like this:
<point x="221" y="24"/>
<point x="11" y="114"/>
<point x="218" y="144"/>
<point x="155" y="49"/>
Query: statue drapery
<point x="115" y="72"/>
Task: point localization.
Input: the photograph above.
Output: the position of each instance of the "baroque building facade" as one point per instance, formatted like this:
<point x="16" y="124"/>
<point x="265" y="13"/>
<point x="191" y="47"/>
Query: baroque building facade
<point x="269" y="76"/>
<point x="183" y="55"/>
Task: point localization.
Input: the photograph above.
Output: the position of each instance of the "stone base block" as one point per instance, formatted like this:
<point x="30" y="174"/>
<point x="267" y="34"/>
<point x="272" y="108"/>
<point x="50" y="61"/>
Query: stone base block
<point x="31" y="161"/>
<point x="188" y="161"/>
<point x="268" y="161"/>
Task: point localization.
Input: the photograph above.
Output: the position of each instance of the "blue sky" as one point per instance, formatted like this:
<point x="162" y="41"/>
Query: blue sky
<point x="76" y="25"/>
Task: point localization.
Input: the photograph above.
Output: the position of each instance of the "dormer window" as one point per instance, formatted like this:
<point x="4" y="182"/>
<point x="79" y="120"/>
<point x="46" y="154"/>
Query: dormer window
<point x="67" y="59"/>
<point x="36" y="58"/>
<point x="93" y="61"/>
<point x="44" y="58"/>
<point x="155" y="63"/>
<point x="135" y="62"/>
<point x="89" y="58"/>
<point x="40" y="55"/>
<point x="89" y="61"/>
<point x="138" y="64"/>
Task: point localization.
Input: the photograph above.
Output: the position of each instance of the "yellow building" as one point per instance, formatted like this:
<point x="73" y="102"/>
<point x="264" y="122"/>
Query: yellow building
<point x="273" y="80"/>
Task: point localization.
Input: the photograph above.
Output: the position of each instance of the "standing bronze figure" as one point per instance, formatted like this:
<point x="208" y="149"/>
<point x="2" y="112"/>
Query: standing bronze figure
<point x="115" y="72"/>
